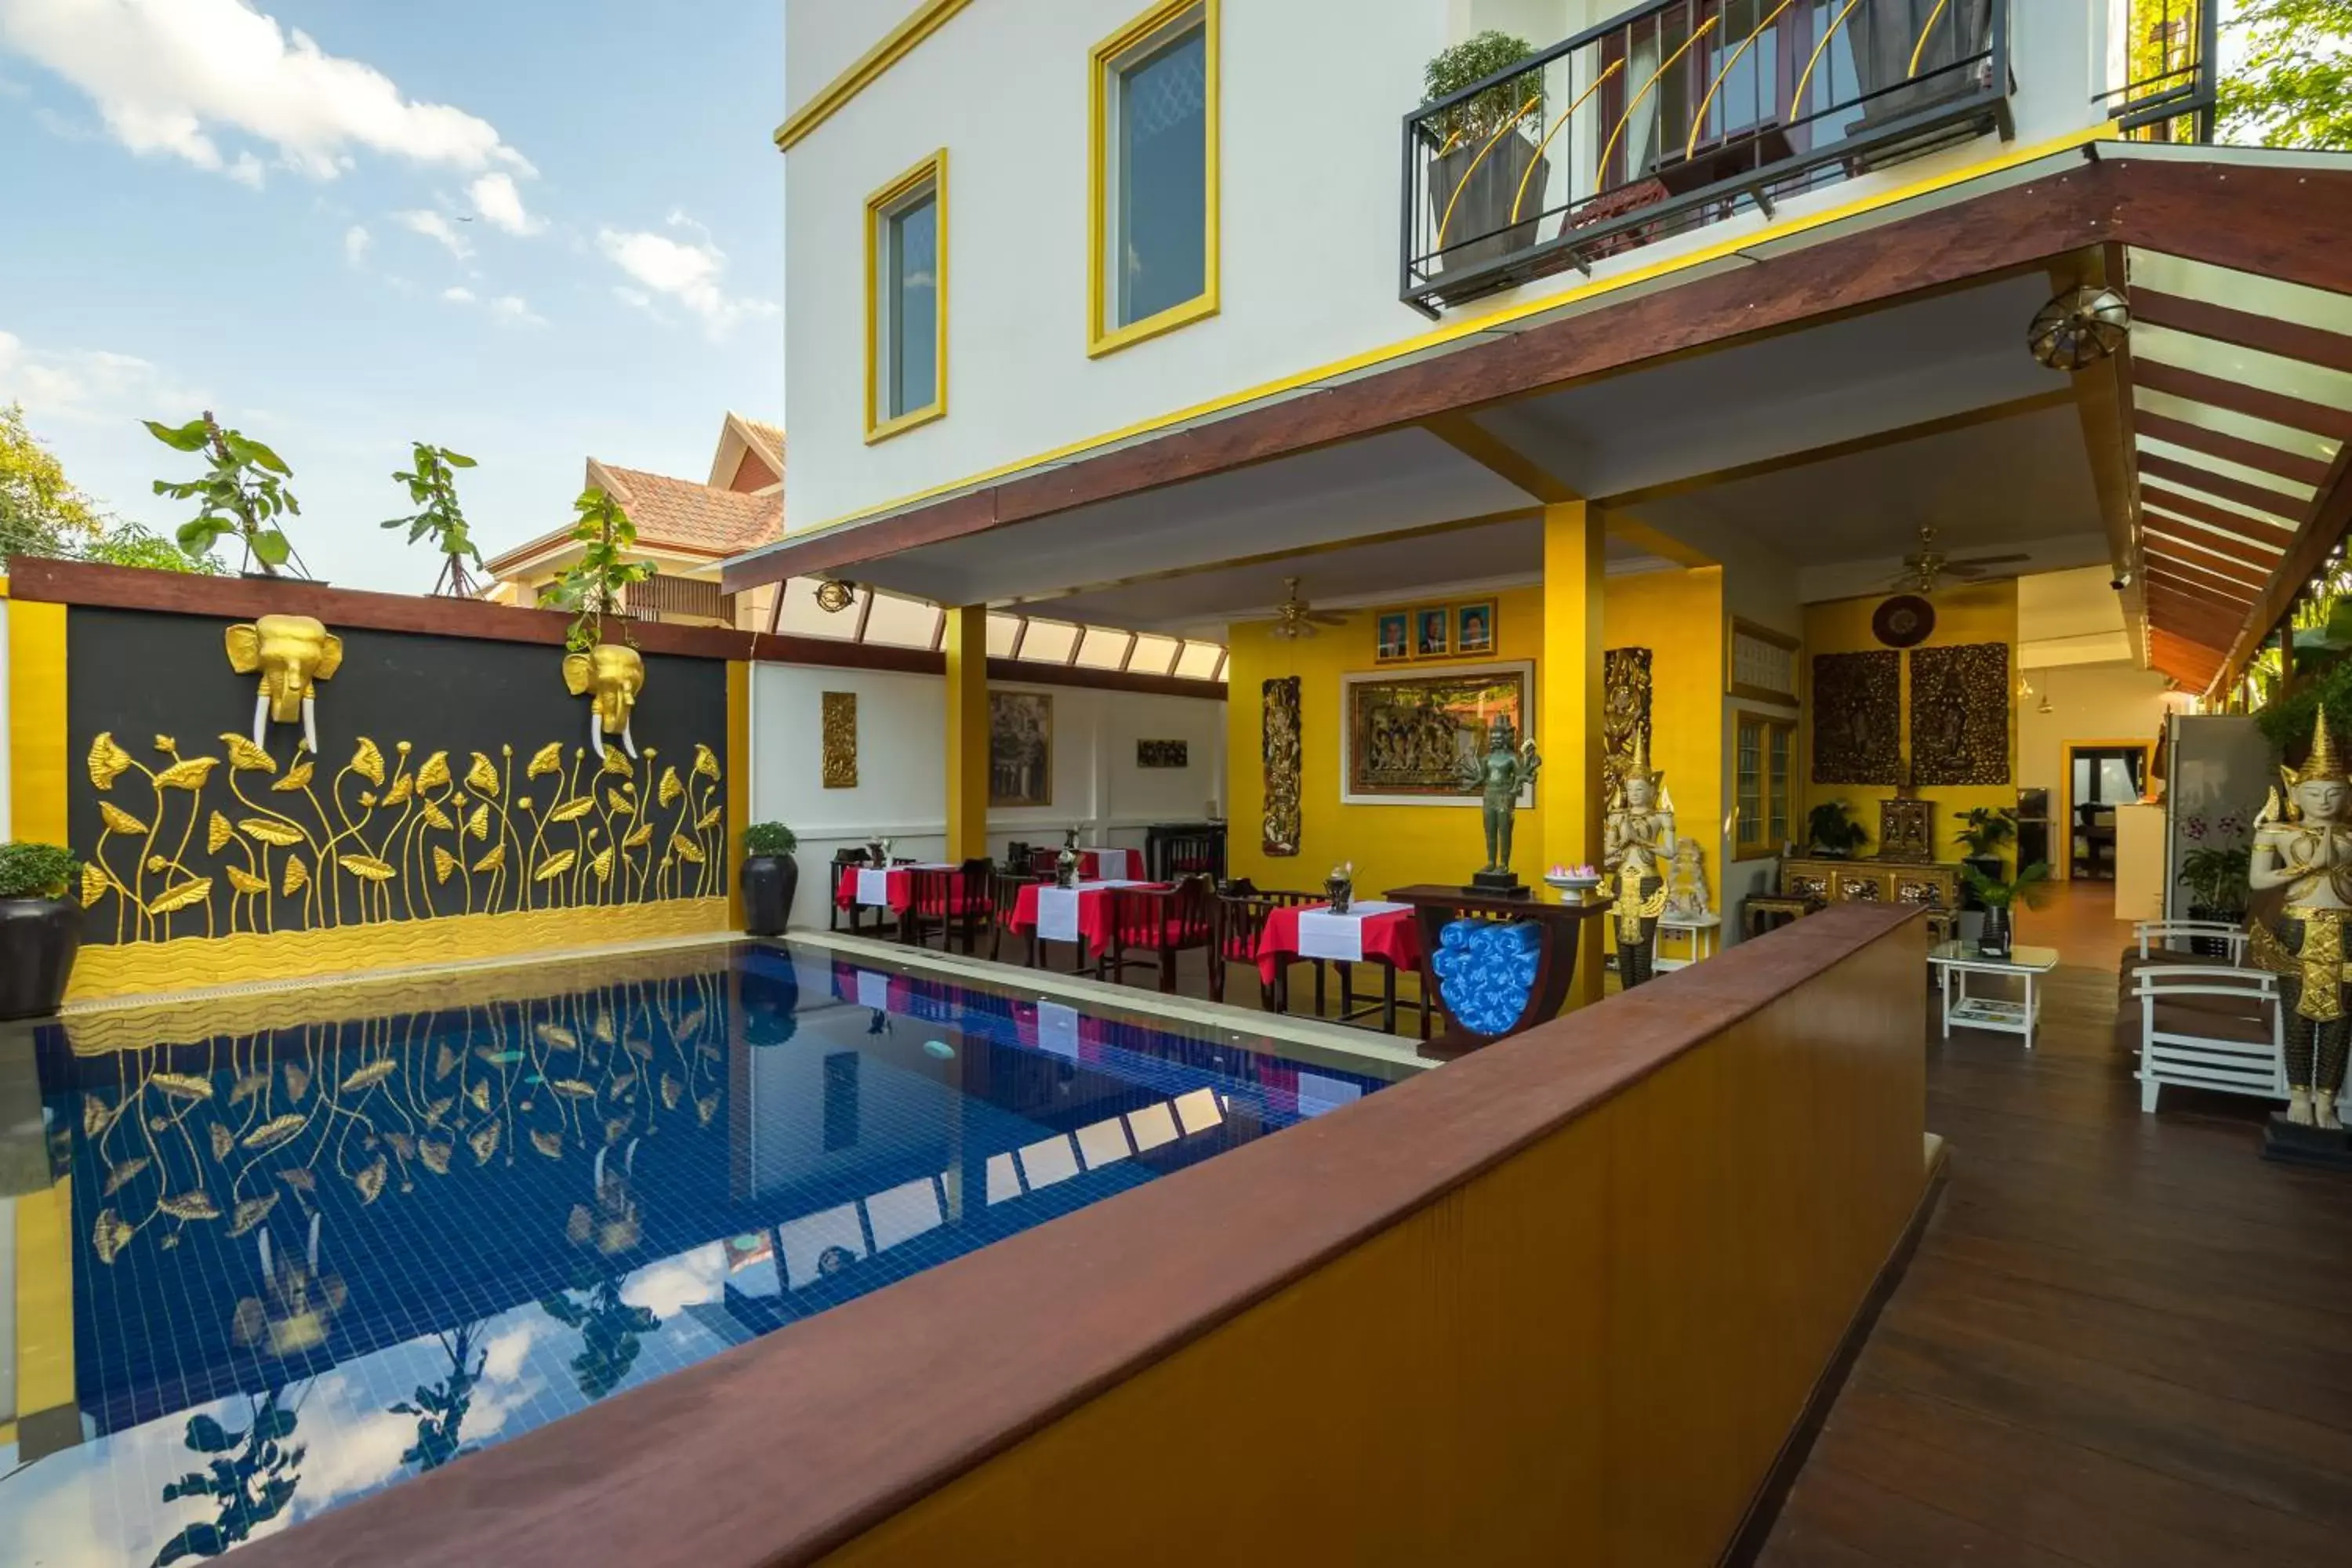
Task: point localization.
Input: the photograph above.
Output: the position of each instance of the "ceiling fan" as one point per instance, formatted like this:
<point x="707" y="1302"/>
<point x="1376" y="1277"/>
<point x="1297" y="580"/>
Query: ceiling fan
<point x="1923" y="567"/>
<point x="1294" y="618"/>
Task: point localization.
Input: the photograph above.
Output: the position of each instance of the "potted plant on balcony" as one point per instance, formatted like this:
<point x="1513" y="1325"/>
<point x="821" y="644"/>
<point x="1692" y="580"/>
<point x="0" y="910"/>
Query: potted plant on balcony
<point x="1487" y="154"/>
<point x="1836" y="836"/>
<point x="1983" y="833"/>
<point x="2000" y="898"/>
<point x="40" y="927"/>
<point x="597" y="584"/>
<point x="771" y="877"/>
<point x="2217" y="880"/>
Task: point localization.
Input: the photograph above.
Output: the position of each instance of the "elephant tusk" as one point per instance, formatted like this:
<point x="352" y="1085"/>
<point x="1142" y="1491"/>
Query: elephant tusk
<point x="311" y="724"/>
<point x="595" y="733"/>
<point x="269" y="1264"/>
<point x="261" y="717"/>
<point x="597" y="1171"/>
<point x="314" y="1244"/>
<point x="629" y="741"/>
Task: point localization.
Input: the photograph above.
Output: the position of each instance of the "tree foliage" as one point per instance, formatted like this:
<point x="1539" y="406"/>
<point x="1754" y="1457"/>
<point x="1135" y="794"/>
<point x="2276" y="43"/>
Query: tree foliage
<point x="2294" y="89"/>
<point x="237" y="1463"/>
<point x="41" y="513"/>
<point x="594" y="585"/>
<point x="241" y="496"/>
<point x="433" y="486"/>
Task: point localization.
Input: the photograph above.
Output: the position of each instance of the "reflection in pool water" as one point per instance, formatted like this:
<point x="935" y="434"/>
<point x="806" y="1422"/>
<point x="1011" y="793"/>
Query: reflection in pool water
<point x="311" y="1257"/>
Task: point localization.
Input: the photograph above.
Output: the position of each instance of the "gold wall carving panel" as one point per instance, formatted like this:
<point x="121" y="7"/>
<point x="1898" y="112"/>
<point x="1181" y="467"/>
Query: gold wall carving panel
<point x="1960" y="714"/>
<point x="1625" y="722"/>
<point x="1282" y="758"/>
<point x="840" y="719"/>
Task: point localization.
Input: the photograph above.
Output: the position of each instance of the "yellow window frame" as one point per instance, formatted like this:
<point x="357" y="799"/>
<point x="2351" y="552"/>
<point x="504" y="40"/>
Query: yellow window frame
<point x="880" y="207"/>
<point x="1101" y="338"/>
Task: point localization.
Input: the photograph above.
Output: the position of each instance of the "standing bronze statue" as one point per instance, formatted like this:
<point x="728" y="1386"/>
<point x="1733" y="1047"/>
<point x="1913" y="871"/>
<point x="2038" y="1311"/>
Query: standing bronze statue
<point x="2306" y="846"/>
<point x="1497" y="778"/>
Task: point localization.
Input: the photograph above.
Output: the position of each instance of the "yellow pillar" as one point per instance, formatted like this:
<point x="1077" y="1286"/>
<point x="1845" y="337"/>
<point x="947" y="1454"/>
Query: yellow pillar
<point x="1569" y="710"/>
<point x="967" y="650"/>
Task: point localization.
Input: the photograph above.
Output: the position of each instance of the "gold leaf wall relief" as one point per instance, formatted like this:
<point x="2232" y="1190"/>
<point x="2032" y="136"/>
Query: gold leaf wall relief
<point x="268" y="830"/>
<point x="297" y="877"/>
<point x="706" y="762"/>
<point x="495" y="861"/>
<point x="368" y="1077"/>
<point x="402" y="788"/>
<point x="217" y="833"/>
<point x="671" y="788"/>
<point x="108" y="762"/>
<point x="274" y="1131"/>
<point x="482" y="778"/>
<point x="365" y="867"/>
<point x="639" y="839"/>
<point x="194" y="1205"/>
<point x="444" y="863"/>
<point x="602" y="865"/>
<point x="479" y="825"/>
<point x="246" y="881"/>
<point x="838" y="733"/>
<point x="685" y="848"/>
<point x="94" y="883"/>
<point x="118" y="820"/>
<point x="548" y="759"/>
<point x="573" y="810"/>
<point x="554" y="866"/>
<point x="296" y="778"/>
<point x="367" y="761"/>
<point x="188" y="775"/>
<point x="244" y="756"/>
<point x="181" y="896"/>
<point x="182" y="1086"/>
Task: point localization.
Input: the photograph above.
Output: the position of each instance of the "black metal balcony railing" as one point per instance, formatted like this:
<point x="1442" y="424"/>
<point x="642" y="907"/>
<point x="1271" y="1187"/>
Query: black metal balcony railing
<point x="2171" y="50"/>
<point x="1680" y="114"/>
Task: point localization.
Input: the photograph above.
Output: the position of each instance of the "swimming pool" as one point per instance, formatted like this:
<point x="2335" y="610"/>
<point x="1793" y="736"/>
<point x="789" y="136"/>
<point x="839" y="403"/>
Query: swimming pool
<point x="303" y="1258"/>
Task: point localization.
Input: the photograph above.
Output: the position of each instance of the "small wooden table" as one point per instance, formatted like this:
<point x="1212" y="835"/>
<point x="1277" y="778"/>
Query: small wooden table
<point x="1436" y="906"/>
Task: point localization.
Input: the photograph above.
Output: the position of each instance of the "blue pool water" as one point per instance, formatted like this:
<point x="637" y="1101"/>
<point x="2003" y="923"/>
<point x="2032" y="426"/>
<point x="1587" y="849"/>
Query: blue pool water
<point x="310" y="1258"/>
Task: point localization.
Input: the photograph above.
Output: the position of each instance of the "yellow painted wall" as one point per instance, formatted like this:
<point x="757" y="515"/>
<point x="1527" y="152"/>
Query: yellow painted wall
<point x="1985" y="612"/>
<point x="1678" y="615"/>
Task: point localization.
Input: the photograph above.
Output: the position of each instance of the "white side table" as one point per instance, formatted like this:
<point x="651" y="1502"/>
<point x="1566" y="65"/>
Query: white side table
<point x="1700" y="934"/>
<point x="1953" y="962"/>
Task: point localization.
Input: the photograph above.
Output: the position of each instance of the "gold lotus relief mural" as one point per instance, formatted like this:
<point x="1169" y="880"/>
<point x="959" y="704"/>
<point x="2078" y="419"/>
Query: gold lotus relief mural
<point x="245" y="1133"/>
<point x="257" y="846"/>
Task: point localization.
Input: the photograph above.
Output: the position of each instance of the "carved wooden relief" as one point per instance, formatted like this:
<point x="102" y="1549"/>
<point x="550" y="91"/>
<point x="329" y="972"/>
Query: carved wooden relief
<point x="1625" y="714"/>
<point x="1960" y="714"/>
<point x="1857" y="718"/>
<point x="840" y="717"/>
<point x="1282" y="762"/>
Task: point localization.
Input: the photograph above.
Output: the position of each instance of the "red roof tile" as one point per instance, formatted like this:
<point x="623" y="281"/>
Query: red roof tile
<point x="684" y="515"/>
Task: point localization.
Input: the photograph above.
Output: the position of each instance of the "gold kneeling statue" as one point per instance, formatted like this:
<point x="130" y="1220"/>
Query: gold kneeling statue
<point x="2304" y="845"/>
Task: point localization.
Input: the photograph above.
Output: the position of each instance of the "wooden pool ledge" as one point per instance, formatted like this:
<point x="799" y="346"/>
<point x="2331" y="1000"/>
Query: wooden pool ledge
<point x="1563" y="1300"/>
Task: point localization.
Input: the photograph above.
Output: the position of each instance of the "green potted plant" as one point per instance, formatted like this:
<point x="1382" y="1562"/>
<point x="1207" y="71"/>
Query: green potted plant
<point x="1984" y="834"/>
<point x="2000" y="896"/>
<point x="242" y="495"/>
<point x="596" y="585"/>
<point x="771" y="877"/>
<point x="1487" y="153"/>
<point x="2217" y="880"/>
<point x="433" y="486"/>
<point x="1835" y="834"/>
<point x="40" y="927"/>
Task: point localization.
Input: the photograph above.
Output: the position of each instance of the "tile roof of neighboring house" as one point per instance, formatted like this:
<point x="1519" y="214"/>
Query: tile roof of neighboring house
<point x="771" y="442"/>
<point x="685" y="515"/>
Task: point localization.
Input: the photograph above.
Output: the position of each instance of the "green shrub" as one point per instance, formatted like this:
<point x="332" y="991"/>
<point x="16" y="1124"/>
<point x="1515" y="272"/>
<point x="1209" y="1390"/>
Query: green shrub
<point x="1476" y="120"/>
<point x="768" y="838"/>
<point x="36" y="871"/>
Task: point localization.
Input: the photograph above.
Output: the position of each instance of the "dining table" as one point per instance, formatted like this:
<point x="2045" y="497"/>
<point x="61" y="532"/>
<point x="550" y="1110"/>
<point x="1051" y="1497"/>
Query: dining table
<point x="1044" y="913"/>
<point x="1372" y="930"/>
<point x="883" y="888"/>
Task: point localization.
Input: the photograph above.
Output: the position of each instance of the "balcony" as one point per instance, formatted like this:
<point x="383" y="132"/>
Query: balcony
<point x="663" y="597"/>
<point x="1686" y="112"/>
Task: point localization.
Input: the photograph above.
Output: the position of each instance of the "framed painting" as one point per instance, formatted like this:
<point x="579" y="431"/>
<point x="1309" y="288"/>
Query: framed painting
<point x="1415" y="740"/>
<point x="1020" y="748"/>
<point x="1392" y="637"/>
<point x="1433" y="633"/>
<point x="1163" y="754"/>
<point x="1473" y="627"/>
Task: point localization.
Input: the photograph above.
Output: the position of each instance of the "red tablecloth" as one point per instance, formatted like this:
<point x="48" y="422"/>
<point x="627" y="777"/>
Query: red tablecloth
<point x="1128" y="864"/>
<point x="898" y="887"/>
<point x="1391" y="936"/>
<point x="1094" y="913"/>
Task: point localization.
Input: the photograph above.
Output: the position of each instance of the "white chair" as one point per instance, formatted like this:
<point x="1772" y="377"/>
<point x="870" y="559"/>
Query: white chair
<point x="2209" y="1026"/>
<point x="2158" y="939"/>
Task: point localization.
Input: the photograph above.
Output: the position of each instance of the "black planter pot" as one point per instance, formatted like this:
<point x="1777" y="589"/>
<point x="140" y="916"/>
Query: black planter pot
<point x="38" y="939"/>
<point x="1993" y="941"/>
<point x="2212" y="946"/>
<point x="769" y="883"/>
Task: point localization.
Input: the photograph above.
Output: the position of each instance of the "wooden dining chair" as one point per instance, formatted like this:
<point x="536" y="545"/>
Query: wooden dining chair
<point x="843" y="860"/>
<point x="959" y="900"/>
<point x="1241" y="912"/>
<point x="1149" y="926"/>
<point x="1004" y="899"/>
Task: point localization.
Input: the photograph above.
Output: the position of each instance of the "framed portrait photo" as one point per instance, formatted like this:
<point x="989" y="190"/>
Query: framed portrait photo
<point x="1473" y="627"/>
<point x="1392" y="637"/>
<point x="1433" y="633"/>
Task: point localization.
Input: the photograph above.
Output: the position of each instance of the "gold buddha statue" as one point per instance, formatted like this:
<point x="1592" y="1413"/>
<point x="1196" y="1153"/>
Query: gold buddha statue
<point x="1642" y="816"/>
<point x="2303" y="844"/>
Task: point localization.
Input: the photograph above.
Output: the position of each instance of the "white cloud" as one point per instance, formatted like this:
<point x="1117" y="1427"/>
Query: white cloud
<point x="90" y="386"/>
<point x="356" y="241"/>
<point x="496" y="198"/>
<point x="690" y="276"/>
<point x="512" y="309"/>
<point x="247" y="170"/>
<point x="168" y="76"/>
<point x="432" y="225"/>
<point x="459" y="296"/>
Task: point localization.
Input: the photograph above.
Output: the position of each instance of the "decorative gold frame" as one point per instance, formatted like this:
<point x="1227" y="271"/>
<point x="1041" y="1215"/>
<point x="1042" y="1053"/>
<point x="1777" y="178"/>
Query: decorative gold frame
<point x="1101" y="337"/>
<point x="840" y="735"/>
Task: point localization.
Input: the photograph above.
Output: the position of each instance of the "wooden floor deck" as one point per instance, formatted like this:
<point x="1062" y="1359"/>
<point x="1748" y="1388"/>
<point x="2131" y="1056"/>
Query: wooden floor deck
<point x="2124" y="1338"/>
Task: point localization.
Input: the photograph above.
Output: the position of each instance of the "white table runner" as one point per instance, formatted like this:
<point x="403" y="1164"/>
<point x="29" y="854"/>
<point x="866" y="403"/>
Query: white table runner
<point x="874" y="888"/>
<point x="1057" y="910"/>
<point x="1322" y="934"/>
<point x="1057" y="1029"/>
<point x="873" y="991"/>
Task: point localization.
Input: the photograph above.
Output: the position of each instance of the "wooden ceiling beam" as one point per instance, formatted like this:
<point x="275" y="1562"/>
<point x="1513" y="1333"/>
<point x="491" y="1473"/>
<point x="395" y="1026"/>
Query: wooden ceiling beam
<point x="2239" y="397"/>
<point x="2164" y="533"/>
<point x="2236" y="449"/>
<point x="2286" y="508"/>
<point x="2238" y="597"/>
<point x="2179" y="560"/>
<point x="2247" y="528"/>
<point x="2266" y="334"/>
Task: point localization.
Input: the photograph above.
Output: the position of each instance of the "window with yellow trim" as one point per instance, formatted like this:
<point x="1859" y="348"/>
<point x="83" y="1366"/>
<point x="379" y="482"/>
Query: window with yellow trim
<point x="1155" y="174"/>
<point x="906" y="300"/>
<point x="1764" y="763"/>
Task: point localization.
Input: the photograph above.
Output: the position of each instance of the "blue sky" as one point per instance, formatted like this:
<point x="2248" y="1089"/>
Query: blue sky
<point x="528" y="231"/>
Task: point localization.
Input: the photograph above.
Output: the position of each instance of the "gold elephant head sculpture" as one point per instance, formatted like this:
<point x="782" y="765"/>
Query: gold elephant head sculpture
<point x="293" y="653"/>
<point x="615" y="674"/>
